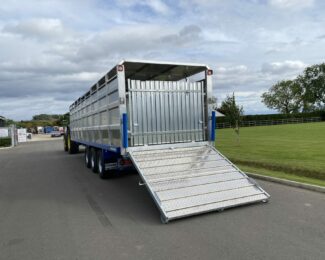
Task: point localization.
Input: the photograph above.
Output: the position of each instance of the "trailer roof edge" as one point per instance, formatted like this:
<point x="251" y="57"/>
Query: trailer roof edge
<point x="164" y="62"/>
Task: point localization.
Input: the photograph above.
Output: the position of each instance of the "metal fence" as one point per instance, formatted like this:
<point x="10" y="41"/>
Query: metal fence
<point x="271" y="122"/>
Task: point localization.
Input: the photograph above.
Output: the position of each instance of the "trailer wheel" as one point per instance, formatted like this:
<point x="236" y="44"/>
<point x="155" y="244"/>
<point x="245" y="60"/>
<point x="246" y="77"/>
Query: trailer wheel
<point x="94" y="163"/>
<point x="87" y="157"/>
<point x="65" y="143"/>
<point x="101" y="165"/>
<point x="73" y="147"/>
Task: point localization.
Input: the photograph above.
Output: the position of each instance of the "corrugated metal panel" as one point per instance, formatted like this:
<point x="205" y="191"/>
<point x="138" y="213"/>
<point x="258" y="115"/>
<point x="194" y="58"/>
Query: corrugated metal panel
<point x="193" y="178"/>
<point x="163" y="112"/>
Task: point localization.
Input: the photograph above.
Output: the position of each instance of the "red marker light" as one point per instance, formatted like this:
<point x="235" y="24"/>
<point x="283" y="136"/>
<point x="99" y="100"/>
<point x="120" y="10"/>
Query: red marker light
<point x="210" y="72"/>
<point x="120" y="68"/>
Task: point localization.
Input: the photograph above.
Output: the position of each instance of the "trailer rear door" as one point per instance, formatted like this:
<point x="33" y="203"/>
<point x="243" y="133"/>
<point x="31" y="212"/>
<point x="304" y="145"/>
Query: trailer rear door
<point x="163" y="112"/>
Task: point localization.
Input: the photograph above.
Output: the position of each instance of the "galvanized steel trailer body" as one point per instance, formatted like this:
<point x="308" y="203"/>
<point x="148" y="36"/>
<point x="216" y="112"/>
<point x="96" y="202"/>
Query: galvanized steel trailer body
<point x="141" y="108"/>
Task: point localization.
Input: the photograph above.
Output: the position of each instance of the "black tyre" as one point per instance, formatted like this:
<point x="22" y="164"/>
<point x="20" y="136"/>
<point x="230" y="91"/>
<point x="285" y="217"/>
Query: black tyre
<point x="101" y="165"/>
<point x="87" y="157"/>
<point x="93" y="160"/>
<point x="73" y="147"/>
<point x="65" y="143"/>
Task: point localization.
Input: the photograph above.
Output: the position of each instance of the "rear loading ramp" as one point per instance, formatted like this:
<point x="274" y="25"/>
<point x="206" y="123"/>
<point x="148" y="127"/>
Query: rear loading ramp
<point x="193" y="178"/>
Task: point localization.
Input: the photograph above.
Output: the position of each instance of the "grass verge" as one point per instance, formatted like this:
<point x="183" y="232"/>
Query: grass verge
<point x="281" y="175"/>
<point x="294" y="152"/>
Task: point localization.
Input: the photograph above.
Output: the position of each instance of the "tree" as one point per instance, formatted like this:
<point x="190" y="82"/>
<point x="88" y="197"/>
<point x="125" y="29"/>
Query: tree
<point x="46" y="117"/>
<point x="212" y="101"/>
<point x="312" y="81"/>
<point x="285" y="96"/>
<point x="63" y="120"/>
<point x="233" y="112"/>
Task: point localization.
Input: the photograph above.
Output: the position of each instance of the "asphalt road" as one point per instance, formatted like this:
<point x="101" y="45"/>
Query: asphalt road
<point x="52" y="207"/>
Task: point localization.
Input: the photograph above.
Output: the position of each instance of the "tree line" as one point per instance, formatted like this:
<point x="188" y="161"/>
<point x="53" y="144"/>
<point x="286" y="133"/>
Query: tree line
<point x="305" y="93"/>
<point x="41" y="120"/>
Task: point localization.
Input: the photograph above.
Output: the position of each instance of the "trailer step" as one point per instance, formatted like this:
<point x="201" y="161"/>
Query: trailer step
<point x="193" y="178"/>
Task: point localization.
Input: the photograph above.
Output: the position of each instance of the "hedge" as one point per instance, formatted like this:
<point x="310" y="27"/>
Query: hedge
<point x="6" y="141"/>
<point x="320" y="114"/>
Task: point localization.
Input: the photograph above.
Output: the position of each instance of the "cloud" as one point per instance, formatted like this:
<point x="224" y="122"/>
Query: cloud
<point x="32" y="105"/>
<point x="157" y="6"/>
<point x="52" y="53"/>
<point x="284" y="67"/>
<point x="292" y="4"/>
<point x="187" y="35"/>
<point x="238" y="69"/>
<point x="40" y="28"/>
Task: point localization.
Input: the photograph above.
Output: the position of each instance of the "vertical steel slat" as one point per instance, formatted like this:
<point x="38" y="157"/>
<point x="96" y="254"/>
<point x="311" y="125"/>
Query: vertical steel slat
<point x="184" y="110"/>
<point x="194" y="111"/>
<point x="139" y="115"/>
<point x="148" y="112"/>
<point x="171" y="112"/>
<point x="179" y="115"/>
<point x="176" y="113"/>
<point x="156" y="111"/>
<point x="165" y="112"/>
<point x="203" y="110"/>
<point x="187" y="109"/>
<point x="137" y="105"/>
<point x="171" y="121"/>
<point x="153" y="114"/>
<point x="163" y="119"/>
<point x="183" y="95"/>
<point x="168" y="112"/>
<point x="157" y="96"/>
<point x="199" y="110"/>
<point x="130" y="112"/>
<point x="159" y="111"/>
<point x="141" y="112"/>
<point x="191" y="111"/>
<point x="145" y="114"/>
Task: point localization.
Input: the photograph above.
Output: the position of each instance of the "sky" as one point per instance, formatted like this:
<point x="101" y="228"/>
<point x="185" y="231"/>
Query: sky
<point x="52" y="51"/>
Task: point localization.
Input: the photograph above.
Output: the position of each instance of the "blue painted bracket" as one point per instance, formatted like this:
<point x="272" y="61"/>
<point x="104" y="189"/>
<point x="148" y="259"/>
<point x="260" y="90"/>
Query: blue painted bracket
<point x="125" y="130"/>
<point x="213" y="126"/>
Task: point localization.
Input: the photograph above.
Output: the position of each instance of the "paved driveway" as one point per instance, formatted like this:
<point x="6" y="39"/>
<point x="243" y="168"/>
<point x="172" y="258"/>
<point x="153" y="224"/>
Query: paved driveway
<point x="52" y="207"/>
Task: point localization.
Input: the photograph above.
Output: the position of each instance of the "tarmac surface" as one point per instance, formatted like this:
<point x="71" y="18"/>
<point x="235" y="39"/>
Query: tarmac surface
<point x="53" y="207"/>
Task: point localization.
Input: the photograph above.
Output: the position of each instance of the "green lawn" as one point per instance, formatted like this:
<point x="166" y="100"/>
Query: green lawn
<point x="287" y="150"/>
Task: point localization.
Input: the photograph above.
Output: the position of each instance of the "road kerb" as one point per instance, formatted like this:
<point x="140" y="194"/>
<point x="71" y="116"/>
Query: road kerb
<point x="287" y="182"/>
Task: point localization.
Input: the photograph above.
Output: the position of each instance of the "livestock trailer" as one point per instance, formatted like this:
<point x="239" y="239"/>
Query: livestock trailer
<point x="157" y="117"/>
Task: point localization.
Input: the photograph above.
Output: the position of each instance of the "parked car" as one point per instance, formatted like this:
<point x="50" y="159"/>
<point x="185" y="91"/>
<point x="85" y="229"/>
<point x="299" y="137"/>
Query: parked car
<point x="56" y="134"/>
